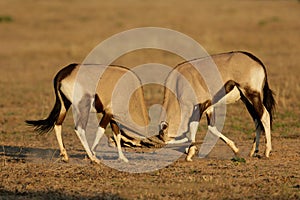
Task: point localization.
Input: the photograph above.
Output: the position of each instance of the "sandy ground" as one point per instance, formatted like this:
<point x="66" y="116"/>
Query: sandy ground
<point x="37" y="38"/>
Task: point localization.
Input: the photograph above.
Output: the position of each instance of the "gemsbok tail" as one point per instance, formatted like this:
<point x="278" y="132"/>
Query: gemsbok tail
<point x="268" y="95"/>
<point x="269" y="101"/>
<point x="46" y="125"/>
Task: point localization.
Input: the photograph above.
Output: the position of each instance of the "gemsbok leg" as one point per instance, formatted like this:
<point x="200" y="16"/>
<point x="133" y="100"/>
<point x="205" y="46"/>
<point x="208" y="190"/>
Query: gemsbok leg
<point x="210" y="114"/>
<point x="117" y="137"/>
<point x="265" y="119"/>
<point x="81" y="114"/>
<point x="65" y="105"/>
<point x="100" y="131"/>
<point x="262" y="120"/>
<point x="232" y="96"/>
<point x="107" y="118"/>
<point x="63" y="152"/>
<point x="258" y="126"/>
<point x="255" y="146"/>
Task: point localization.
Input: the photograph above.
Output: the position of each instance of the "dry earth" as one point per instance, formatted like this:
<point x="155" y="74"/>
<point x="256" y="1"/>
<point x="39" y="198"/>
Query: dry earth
<point x="37" y="38"/>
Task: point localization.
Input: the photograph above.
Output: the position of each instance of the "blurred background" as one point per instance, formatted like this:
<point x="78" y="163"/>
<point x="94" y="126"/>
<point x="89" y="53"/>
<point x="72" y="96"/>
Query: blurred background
<point x="37" y="38"/>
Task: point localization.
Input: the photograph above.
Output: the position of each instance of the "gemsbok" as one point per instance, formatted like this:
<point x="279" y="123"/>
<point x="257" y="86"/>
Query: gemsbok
<point x="244" y="78"/>
<point x="68" y="88"/>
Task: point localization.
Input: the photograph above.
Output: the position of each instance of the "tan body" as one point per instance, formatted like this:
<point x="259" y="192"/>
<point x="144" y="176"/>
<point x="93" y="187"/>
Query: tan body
<point x="243" y="77"/>
<point x="82" y="86"/>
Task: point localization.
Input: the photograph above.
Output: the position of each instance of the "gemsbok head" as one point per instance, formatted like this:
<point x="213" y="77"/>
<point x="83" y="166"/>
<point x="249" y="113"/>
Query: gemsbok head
<point x="244" y="78"/>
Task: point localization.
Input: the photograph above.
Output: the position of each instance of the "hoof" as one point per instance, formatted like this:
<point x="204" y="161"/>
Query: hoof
<point x="64" y="158"/>
<point x="188" y="159"/>
<point x="95" y="160"/>
<point x="267" y="154"/>
<point x="253" y="153"/>
<point x="257" y="156"/>
<point x="192" y="150"/>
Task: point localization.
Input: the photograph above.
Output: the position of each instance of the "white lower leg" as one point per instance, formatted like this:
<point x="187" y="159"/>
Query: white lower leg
<point x="252" y="152"/>
<point x="191" y="151"/>
<point x="99" y="134"/>
<point x="193" y="130"/>
<point x="265" y="119"/>
<point x="230" y="143"/>
<point x="63" y="152"/>
<point x="81" y="135"/>
<point x="118" y="141"/>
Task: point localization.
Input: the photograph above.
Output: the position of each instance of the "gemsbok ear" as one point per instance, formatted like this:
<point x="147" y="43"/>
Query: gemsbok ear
<point x="163" y="125"/>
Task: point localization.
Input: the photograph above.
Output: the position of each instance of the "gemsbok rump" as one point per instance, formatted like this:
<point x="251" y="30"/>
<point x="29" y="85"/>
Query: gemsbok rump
<point x="66" y="85"/>
<point x="244" y="77"/>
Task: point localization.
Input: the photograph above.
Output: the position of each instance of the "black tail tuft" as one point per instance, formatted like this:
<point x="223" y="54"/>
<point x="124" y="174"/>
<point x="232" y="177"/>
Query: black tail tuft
<point x="269" y="101"/>
<point x="46" y="125"/>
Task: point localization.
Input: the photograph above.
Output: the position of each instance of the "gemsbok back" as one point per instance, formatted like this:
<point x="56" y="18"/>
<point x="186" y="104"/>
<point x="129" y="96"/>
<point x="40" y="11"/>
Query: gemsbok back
<point x="244" y="77"/>
<point x="66" y="85"/>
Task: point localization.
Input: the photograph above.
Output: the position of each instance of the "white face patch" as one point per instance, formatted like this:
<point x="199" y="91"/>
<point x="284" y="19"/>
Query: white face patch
<point x="164" y="125"/>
